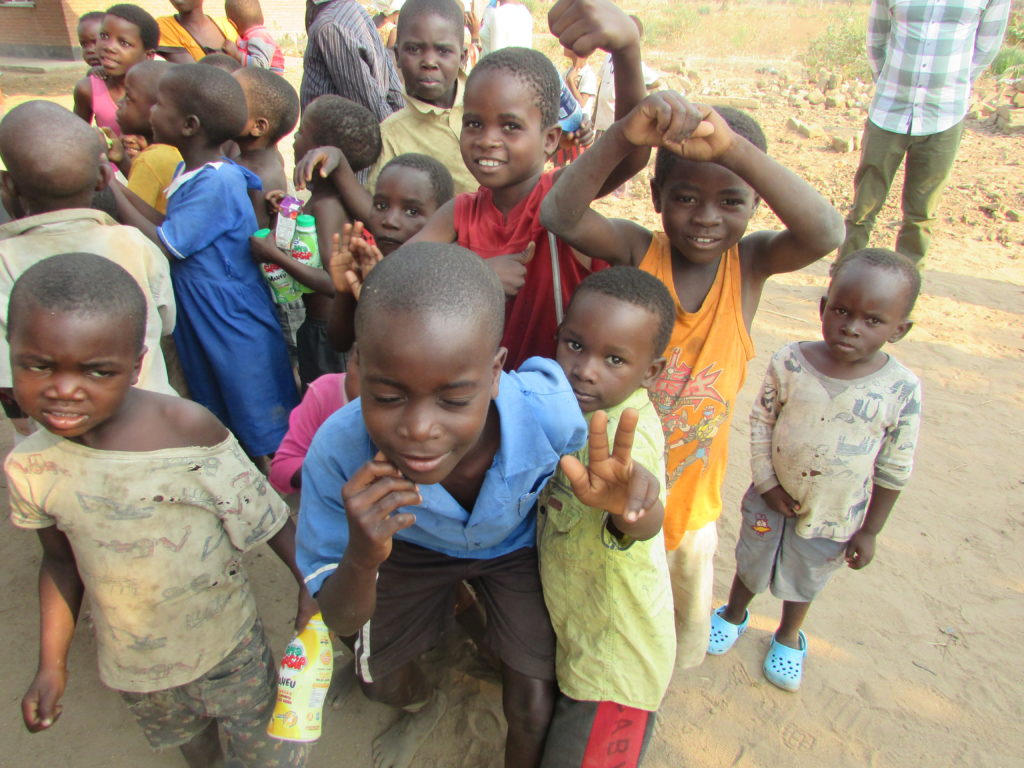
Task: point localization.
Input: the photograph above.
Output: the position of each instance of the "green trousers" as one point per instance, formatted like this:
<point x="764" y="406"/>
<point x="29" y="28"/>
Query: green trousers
<point x="929" y="160"/>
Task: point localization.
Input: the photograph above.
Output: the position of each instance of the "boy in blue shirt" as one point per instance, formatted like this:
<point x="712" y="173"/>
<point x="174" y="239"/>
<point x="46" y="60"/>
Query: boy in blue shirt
<point x="432" y="477"/>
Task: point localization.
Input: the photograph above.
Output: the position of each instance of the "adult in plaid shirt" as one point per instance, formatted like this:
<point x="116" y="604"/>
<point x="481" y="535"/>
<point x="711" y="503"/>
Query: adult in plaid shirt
<point x="925" y="55"/>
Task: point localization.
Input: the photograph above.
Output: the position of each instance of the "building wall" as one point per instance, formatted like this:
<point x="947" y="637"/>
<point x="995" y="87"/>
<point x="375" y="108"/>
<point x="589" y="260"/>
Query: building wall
<point x="49" y="29"/>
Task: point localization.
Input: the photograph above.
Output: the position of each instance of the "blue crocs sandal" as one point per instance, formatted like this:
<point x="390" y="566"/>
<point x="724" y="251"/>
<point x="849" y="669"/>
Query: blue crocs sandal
<point x="724" y="633"/>
<point x="784" y="666"/>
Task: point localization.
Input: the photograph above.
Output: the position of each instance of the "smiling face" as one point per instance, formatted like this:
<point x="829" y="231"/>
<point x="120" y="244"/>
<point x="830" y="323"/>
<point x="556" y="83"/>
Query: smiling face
<point x="866" y="307"/>
<point x="606" y="349"/>
<point x="402" y="203"/>
<point x="71" y="371"/>
<point x="704" y="208"/>
<point x="426" y="386"/>
<point x="504" y="143"/>
<point x="89" y="40"/>
<point x="429" y="54"/>
<point x="121" y="46"/>
<point x="133" y="109"/>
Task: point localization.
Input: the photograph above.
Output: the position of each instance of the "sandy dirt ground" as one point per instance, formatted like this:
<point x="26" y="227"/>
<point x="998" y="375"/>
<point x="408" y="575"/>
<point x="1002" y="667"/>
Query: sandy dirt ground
<point x="912" y="661"/>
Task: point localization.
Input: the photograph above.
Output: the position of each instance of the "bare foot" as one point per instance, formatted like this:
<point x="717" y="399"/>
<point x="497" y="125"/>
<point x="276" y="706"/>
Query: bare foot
<point x="396" y="747"/>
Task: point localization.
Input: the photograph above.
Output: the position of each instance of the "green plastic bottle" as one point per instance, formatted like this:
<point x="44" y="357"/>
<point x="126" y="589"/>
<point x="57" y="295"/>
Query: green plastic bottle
<point x="283" y="288"/>
<point x="305" y="248"/>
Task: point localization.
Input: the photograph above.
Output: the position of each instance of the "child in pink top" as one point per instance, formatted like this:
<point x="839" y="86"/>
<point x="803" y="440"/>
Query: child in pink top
<point x="255" y="46"/>
<point x="324" y="396"/>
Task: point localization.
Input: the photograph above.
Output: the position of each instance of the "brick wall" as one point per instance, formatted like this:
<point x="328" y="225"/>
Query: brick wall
<point x="49" y="29"/>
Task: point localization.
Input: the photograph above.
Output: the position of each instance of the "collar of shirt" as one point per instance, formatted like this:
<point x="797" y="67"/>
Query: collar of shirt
<point x="181" y="176"/>
<point x="17" y="227"/>
<point x="432" y="109"/>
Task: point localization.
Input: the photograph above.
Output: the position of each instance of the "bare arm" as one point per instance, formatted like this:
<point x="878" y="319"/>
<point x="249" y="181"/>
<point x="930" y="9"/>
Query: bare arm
<point x="283" y="545"/>
<point x="136" y="212"/>
<point x="83" y="99"/>
<point x="440" y="228"/>
<point x="264" y="250"/>
<point x="60" y="599"/>
<point x="860" y="550"/>
<point x="331" y="163"/>
<point x="372" y="497"/>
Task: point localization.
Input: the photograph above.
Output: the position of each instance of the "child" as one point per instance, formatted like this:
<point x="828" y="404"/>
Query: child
<point x="148" y="504"/>
<point x="605" y="576"/>
<point x="255" y="47"/>
<point x="409" y="190"/>
<point x="832" y="437"/>
<point x="706" y="187"/>
<point x="190" y="34"/>
<point x="128" y="35"/>
<point x="353" y="130"/>
<point x="273" y="108"/>
<point x="510" y="128"/>
<point x="579" y="80"/>
<point x="89" y="37"/>
<point x="459" y="451"/>
<point x="53" y="186"/>
<point x="151" y="171"/>
<point x="227" y="336"/>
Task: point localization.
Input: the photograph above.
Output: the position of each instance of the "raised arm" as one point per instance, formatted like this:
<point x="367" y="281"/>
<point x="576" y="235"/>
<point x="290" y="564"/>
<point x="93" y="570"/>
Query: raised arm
<point x="60" y="599"/>
<point x="136" y="212"/>
<point x="661" y="119"/>
<point x="583" y="26"/>
<point x="331" y="163"/>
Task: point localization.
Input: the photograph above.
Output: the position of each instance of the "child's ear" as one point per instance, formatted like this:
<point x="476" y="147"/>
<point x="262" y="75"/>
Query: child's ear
<point x="901" y="330"/>
<point x="757" y="202"/>
<point x="496" y="365"/>
<point x="656" y="196"/>
<point x="137" y="368"/>
<point x="654" y="370"/>
<point x="821" y="307"/>
<point x="191" y="126"/>
<point x="551" y="138"/>
<point x="259" y="126"/>
<point x="106" y="176"/>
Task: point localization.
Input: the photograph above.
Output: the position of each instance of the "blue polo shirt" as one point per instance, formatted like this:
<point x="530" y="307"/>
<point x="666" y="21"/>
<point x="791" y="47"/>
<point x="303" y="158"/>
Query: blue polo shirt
<point x="540" y="422"/>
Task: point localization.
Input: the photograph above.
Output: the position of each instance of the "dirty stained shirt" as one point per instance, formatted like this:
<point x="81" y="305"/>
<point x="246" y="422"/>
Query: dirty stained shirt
<point x="827" y="441"/>
<point x="158" y="538"/>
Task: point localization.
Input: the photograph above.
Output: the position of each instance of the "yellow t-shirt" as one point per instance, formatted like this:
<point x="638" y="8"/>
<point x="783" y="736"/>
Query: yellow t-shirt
<point x="429" y="130"/>
<point x="173" y="35"/>
<point x="695" y="395"/>
<point x="152" y="172"/>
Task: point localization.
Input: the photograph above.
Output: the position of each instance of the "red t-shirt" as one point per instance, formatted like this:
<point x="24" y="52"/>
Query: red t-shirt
<point x="530" y="323"/>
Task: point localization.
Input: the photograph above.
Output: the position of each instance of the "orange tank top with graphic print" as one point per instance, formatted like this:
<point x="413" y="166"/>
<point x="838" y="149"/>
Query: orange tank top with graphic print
<point x="695" y="396"/>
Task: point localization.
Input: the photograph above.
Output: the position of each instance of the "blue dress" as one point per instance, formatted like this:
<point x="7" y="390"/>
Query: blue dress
<point x="230" y="344"/>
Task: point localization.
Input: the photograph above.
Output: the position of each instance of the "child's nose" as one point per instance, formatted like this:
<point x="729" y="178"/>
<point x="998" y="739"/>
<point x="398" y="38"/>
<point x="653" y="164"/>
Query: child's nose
<point x="706" y="214"/>
<point x="418" y="425"/>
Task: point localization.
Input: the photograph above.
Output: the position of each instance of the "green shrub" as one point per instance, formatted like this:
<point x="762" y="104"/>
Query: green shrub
<point x="841" y="48"/>
<point x="1009" y="62"/>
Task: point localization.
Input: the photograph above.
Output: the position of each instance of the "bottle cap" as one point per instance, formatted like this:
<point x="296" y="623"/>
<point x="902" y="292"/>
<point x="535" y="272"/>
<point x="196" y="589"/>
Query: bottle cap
<point x="305" y="220"/>
<point x="263" y="232"/>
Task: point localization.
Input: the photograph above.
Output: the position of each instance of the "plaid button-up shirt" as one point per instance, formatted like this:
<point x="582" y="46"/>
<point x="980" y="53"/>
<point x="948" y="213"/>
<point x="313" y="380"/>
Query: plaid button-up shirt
<point x="925" y="54"/>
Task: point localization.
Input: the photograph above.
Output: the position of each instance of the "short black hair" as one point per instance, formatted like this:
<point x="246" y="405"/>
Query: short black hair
<point x="146" y="75"/>
<point x="62" y="169"/>
<point x="212" y="95"/>
<point x="91" y="16"/>
<point x="433" y="279"/>
<point x="639" y="288"/>
<point x="882" y="258"/>
<point x="351" y="127"/>
<point x="84" y="284"/>
<point x="741" y="123"/>
<point x="532" y="68"/>
<point x="441" y="183"/>
<point x="149" y="30"/>
<point x="221" y="61"/>
<point x="248" y="12"/>
<point x="448" y="10"/>
<point x="272" y="97"/>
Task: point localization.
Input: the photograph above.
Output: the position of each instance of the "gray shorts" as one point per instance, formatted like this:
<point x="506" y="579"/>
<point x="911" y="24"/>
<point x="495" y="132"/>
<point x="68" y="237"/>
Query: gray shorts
<point x="238" y="694"/>
<point x="769" y="553"/>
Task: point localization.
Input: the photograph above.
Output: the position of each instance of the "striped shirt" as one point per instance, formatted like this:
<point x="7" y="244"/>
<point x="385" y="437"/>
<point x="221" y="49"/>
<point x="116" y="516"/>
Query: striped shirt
<point x="344" y="56"/>
<point x="925" y="54"/>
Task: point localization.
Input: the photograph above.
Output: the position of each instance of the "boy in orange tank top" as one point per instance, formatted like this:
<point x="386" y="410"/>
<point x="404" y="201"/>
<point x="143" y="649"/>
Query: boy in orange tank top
<point x="711" y="173"/>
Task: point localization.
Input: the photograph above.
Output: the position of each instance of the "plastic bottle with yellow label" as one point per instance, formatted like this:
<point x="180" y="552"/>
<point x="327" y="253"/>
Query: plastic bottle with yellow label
<point x="302" y="682"/>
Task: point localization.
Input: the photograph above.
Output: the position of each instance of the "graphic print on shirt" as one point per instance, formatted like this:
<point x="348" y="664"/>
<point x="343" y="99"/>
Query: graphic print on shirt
<point x="677" y="389"/>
